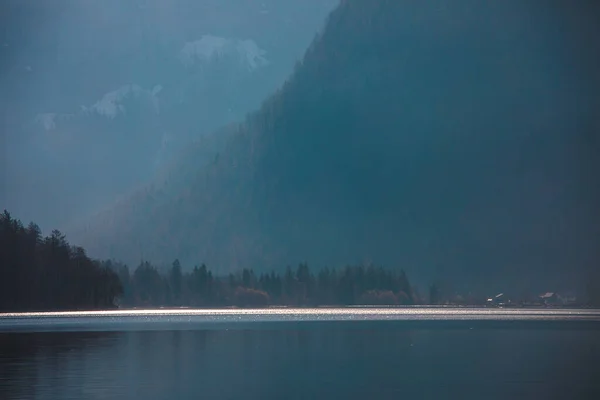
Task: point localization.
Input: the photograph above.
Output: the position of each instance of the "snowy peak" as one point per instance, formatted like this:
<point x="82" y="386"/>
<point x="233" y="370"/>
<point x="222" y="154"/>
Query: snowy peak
<point x="209" y="47"/>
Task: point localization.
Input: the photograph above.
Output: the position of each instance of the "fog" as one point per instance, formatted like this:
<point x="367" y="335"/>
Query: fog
<point x="457" y="142"/>
<point x="98" y="95"/>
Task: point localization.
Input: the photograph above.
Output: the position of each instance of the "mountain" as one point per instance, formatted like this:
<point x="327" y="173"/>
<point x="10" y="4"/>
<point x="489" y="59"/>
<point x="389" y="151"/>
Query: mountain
<point x="454" y="141"/>
<point x="101" y="94"/>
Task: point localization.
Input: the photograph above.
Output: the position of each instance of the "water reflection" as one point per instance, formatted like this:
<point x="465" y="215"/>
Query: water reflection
<point x="325" y="362"/>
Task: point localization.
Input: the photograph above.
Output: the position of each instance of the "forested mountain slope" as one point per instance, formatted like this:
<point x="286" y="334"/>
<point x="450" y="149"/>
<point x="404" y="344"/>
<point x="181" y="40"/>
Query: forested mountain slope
<point x="450" y="140"/>
<point x="97" y="95"/>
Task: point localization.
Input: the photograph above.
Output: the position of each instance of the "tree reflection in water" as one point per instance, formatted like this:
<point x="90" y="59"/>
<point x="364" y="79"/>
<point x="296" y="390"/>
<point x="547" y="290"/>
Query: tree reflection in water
<point x="336" y="360"/>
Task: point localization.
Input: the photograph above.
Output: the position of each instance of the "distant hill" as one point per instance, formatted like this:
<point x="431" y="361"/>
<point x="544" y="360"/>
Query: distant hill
<point x="454" y="141"/>
<point x="99" y="94"/>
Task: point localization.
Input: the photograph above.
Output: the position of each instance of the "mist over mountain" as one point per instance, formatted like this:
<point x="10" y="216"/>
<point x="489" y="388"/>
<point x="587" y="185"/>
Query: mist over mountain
<point x="454" y="141"/>
<point x="99" y="95"/>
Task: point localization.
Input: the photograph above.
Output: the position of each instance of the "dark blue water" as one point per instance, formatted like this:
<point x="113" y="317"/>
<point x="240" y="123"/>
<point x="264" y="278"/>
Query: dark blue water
<point x="379" y="355"/>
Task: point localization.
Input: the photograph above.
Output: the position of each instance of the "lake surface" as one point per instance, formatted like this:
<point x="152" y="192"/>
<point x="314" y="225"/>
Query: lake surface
<point x="349" y="353"/>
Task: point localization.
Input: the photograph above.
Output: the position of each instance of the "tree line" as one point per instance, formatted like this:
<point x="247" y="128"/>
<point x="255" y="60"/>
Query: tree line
<point x="47" y="273"/>
<point x="149" y="286"/>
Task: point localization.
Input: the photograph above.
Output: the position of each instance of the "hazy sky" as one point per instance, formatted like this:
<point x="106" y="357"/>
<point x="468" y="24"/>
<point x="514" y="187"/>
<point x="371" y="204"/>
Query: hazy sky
<point x="98" y="94"/>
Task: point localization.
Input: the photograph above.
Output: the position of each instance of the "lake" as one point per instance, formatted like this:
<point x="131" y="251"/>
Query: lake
<point x="324" y="353"/>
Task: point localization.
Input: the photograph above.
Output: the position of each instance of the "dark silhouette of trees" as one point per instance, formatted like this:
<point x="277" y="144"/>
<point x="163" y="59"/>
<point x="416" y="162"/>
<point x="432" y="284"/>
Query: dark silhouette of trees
<point x="175" y="279"/>
<point x="150" y="289"/>
<point x="352" y="285"/>
<point x="201" y="289"/>
<point x="47" y="273"/>
<point x="125" y="278"/>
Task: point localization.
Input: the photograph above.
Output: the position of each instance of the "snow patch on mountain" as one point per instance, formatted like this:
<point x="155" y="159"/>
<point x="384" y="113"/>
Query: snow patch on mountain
<point x="209" y="47"/>
<point x="253" y="55"/>
<point x="111" y="104"/>
<point x="48" y="120"/>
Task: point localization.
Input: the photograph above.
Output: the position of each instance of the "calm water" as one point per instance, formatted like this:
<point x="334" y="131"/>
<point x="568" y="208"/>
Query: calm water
<point x="302" y="354"/>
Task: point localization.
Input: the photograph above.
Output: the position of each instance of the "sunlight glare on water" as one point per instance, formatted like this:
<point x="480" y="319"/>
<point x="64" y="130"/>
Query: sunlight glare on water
<point x="151" y="318"/>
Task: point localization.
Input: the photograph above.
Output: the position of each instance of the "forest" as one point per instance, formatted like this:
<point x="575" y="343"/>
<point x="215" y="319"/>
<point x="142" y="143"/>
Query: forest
<point x="352" y="285"/>
<point x="47" y="273"/>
